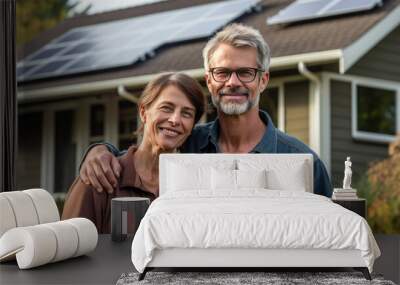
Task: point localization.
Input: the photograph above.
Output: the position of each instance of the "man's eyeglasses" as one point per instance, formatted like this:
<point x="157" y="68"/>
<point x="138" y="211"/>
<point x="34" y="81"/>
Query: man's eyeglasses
<point x="245" y="74"/>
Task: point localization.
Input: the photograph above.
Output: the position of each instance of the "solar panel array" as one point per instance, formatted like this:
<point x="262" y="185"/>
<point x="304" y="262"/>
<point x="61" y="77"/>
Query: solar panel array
<point x="124" y="42"/>
<point x="312" y="9"/>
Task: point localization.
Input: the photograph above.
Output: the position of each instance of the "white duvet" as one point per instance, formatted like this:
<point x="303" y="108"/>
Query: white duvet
<point x="253" y="218"/>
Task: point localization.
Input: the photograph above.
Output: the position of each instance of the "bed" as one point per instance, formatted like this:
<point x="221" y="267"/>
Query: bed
<point x="247" y="210"/>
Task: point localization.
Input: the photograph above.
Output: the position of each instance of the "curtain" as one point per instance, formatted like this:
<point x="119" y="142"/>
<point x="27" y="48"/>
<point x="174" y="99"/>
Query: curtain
<point x="8" y="99"/>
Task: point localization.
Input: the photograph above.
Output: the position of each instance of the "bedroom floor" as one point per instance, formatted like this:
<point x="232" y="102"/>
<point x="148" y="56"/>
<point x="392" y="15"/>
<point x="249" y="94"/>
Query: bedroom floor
<point x="389" y="262"/>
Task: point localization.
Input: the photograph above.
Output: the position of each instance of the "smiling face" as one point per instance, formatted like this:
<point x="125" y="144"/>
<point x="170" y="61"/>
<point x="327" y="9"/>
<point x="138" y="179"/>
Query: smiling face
<point x="234" y="97"/>
<point x="169" y="120"/>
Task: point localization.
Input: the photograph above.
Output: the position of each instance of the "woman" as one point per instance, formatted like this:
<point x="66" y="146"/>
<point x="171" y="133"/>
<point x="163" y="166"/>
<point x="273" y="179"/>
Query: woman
<point x="169" y="107"/>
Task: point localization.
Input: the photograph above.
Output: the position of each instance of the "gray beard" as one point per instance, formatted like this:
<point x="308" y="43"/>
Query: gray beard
<point x="230" y="108"/>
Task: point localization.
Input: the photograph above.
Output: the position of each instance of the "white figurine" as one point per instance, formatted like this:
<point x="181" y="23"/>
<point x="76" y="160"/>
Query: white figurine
<point x="347" y="174"/>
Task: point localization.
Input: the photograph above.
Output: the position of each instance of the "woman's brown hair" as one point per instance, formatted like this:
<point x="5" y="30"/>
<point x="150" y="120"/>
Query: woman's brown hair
<point x="189" y="86"/>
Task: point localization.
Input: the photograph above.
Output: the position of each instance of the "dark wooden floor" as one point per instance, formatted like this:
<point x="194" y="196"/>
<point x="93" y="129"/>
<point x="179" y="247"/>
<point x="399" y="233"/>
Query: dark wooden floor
<point x="389" y="262"/>
<point x="104" y="266"/>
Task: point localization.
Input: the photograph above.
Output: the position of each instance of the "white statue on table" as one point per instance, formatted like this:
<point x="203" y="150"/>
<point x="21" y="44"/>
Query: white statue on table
<point x="347" y="174"/>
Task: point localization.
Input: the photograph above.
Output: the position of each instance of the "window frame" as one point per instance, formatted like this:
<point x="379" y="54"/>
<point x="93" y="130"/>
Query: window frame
<point x="121" y="136"/>
<point x="372" y="136"/>
<point x="279" y="84"/>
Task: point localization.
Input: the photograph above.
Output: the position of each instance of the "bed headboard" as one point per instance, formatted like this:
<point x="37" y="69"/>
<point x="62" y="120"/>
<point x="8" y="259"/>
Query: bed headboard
<point x="282" y="164"/>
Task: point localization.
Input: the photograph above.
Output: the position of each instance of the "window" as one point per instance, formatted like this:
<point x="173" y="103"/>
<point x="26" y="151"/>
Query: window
<point x="127" y="124"/>
<point x="269" y="102"/>
<point x="97" y="120"/>
<point x="30" y="134"/>
<point x="375" y="113"/>
<point x="64" y="150"/>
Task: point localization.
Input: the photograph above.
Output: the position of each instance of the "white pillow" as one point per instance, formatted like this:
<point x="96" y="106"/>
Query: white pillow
<point x="251" y="178"/>
<point x="183" y="177"/>
<point x="223" y="179"/>
<point x="282" y="173"/>
<point x="293" y="179"/>
<point x="193" y="174"/>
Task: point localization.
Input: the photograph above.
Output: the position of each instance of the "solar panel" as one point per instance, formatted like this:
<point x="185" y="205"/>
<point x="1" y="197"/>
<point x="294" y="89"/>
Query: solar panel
<point x="88" y="60"/>
<point x="24" y="69"/>
<point x="190" y="14"/>
<point x="299" y="10"/>
<point x="313" y="9"/>
<point x="48" y="52"/>
<point x="119" y="57"/>
<point x="79" y="48"/>
<point x="50" y="66"/>
<point x="124" y="42"/>
<point x="198" y="30"/>
<point x="349" y="6"/>
<point x="73" y="35"/>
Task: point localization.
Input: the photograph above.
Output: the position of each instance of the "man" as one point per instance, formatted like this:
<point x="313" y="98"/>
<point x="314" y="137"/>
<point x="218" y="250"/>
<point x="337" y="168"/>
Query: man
<point x="236" y="61"/>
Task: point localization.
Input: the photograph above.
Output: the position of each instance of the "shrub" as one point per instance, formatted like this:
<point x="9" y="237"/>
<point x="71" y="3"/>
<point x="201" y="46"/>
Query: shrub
<point x="59" y="198"/>
<point x="380" y="186"/>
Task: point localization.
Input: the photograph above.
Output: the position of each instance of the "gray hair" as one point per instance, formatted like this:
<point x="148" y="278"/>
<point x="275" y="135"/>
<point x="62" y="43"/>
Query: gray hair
<point x="239" y="35"/>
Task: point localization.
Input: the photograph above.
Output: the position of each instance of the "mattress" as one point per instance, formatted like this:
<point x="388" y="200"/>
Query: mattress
<point x="250" y="219"/>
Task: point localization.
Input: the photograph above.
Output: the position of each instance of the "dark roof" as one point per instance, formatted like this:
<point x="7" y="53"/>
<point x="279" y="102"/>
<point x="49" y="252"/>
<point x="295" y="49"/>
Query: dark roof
<point x="319" y="35"/>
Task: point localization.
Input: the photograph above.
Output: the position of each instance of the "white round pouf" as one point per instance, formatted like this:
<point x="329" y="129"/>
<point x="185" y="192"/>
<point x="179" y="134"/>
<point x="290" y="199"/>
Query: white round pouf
<point x="33" y="246"/>
<point x="45" y="205"/>
<point x="67" y="239"/>
<point x="23" y="208"/>
<point x="87" y="235"/>
<point x="7" y="220"/>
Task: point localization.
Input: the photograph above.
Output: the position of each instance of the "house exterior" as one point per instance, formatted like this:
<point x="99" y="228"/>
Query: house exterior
<point x="335" y="85"/>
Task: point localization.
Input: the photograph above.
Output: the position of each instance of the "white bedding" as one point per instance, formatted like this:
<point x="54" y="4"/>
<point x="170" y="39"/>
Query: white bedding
<point x="251" y="218"/>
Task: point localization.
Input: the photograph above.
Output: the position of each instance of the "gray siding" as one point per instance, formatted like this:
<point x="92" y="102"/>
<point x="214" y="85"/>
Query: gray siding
<point x="342" y="143"/>
<point x="29" y="150"/>
<point x="297" y="110"/>
<point x="382" y="61"/>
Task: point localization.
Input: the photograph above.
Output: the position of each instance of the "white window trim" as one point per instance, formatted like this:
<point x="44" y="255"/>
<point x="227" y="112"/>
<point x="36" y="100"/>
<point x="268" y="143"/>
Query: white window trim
<point x="281" y="103"/>
<point x="47" y="152"/>
<point x="324" y="116"/>
<point x="373" y="83"/>
<point x="281" y="107"/>
<point x="314" y="114"/>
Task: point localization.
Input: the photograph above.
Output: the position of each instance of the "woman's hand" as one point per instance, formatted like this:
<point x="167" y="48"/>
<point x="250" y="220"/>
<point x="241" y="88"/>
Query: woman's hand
<point x="100" y="169"/>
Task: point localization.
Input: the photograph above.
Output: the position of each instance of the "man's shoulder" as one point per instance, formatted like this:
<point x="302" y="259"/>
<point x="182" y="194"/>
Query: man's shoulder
<point x="200" y="132"/>
<point x="290" y="144"/>
<point x="202" y="129"/>
<point x="197" y="139"/>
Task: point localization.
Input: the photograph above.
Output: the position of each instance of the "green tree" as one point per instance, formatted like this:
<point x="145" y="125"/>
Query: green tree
<point x="35" y="16"/>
